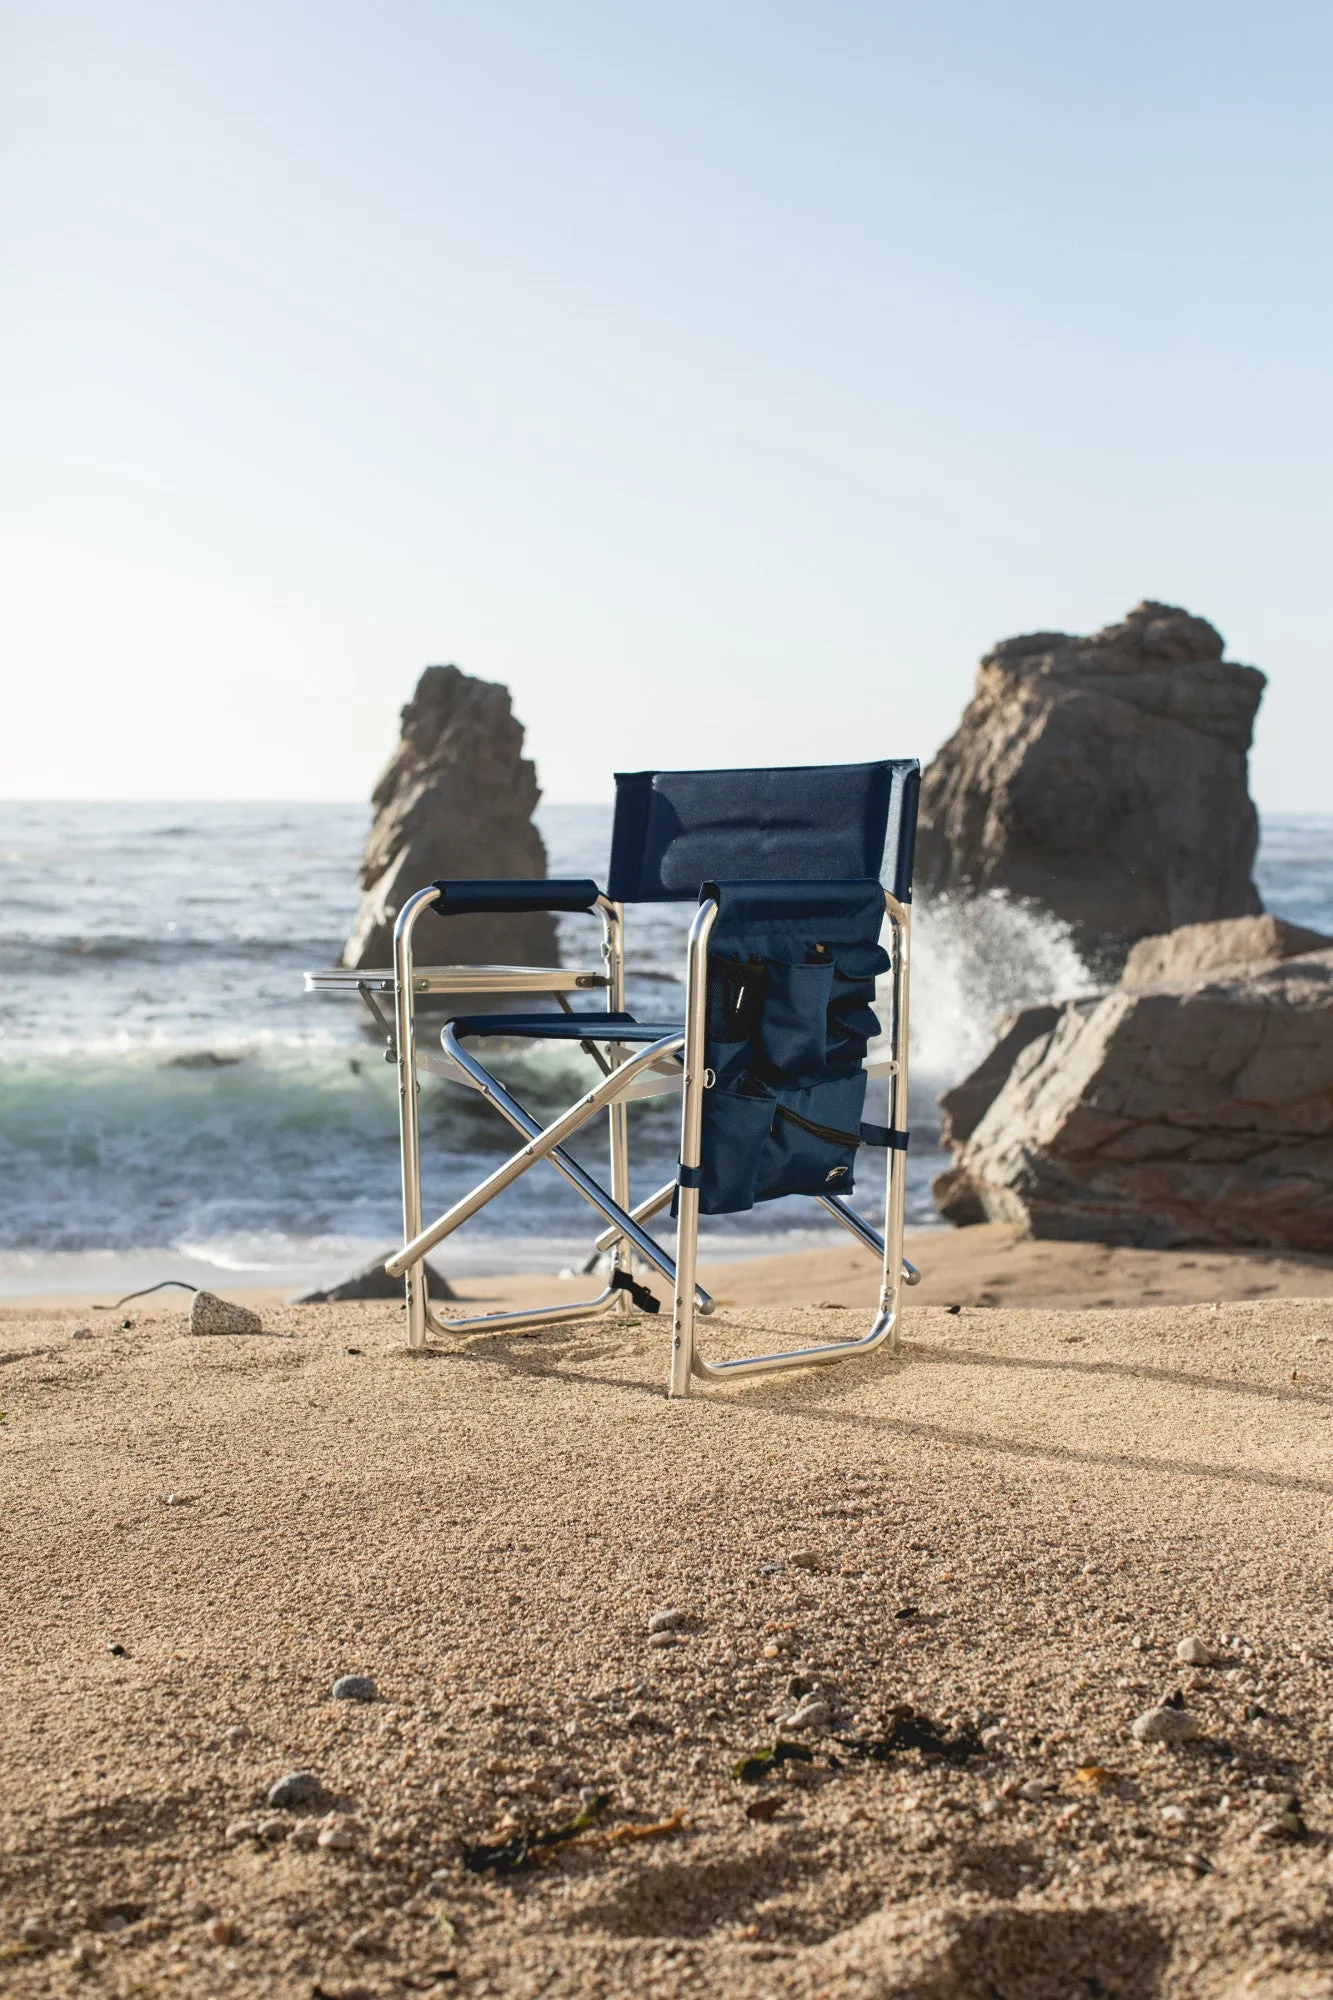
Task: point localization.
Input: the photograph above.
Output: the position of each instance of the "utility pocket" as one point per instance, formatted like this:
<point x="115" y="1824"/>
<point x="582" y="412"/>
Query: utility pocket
<point x="812" y="1146"/>
<point x="852" y="1020"/>
<point x="736" y="1128"/>
<point x="793" y="1027"/>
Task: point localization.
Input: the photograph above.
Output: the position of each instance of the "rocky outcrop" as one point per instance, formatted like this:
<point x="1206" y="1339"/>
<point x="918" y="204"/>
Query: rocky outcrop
<point x="374" y="1282"/>
<point x="456" y="799"/>
<point x="1200" y="948"/>
<point x="1192" y="1110"/>
<point x="1103" y="778"/>
<point x="964" y="1106"/>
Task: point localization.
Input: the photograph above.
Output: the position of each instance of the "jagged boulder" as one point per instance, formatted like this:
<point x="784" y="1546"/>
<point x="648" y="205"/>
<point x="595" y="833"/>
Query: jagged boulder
<point x="1192" y="1110"/>
<point x="1199" y="948"/>
<point x="1104" y="778"/>
<point x="455" y="799"/>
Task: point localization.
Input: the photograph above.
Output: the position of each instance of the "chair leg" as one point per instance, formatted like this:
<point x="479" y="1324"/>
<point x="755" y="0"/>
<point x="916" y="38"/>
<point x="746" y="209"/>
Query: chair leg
<point x="409" y="1125"/>
<point x="683" y="1362"/>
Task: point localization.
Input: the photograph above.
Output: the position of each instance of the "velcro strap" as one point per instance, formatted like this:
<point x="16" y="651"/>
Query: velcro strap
<point x="884" y="1135"/>
<point x="645" y="1300"/>
<point x="688" y="1176"/>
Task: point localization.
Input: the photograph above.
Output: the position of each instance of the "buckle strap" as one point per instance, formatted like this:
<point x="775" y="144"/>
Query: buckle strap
<point x="645" y="1300"/>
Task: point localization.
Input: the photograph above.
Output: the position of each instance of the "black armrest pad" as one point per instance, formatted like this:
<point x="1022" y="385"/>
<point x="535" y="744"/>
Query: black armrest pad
<point x="555" y="892"/>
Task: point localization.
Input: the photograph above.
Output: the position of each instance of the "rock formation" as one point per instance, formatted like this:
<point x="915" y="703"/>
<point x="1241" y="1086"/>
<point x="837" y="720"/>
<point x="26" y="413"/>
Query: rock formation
<point x="1199" y="948"/>
<point x="1104" y="778"/>
<point x="374" y="1282"/>
<point x="1191" y="1109"/>
<point x="455" y="799"/>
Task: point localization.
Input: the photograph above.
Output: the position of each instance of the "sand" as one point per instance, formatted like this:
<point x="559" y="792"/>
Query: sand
<point x="1007" y="1529"/>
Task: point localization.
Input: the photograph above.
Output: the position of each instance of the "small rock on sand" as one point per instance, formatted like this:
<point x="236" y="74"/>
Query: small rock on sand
<point x="82" y="1333"/>
<point x="236" y="1735"/>
<point x="355" y="1687"/>
<point x="811" y="1715"/>
<point x="804" y="1559"/>
<point x="210" y="1314"/>
<point x="665" y="1621"/>
<point x="1193" y="1653"/>
<point x="1164" y="1725"/>
<point x="298" y="1788"/>
<point x="338" y="1833"/>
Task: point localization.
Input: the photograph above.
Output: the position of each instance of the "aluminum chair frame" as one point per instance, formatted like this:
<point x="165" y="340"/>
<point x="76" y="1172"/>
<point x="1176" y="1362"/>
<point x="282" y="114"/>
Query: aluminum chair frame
<point x="627" y="1075"/>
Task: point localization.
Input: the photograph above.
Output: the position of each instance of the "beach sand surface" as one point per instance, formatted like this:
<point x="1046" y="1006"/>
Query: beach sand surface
<point x="979" y="1554"/>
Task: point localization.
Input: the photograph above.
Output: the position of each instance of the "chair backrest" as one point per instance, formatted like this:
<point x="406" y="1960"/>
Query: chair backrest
<point x="675" y="830"/>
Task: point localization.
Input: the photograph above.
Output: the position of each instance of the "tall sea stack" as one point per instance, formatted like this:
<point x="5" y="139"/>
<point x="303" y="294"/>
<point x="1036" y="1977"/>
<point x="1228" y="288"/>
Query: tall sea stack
<point x="1104" y="778"/>
<point x="455" y="799"/>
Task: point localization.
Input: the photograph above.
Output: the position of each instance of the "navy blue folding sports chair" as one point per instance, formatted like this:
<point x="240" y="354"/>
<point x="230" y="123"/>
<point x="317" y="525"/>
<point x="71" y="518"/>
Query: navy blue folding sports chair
<point x="794" y="870"/>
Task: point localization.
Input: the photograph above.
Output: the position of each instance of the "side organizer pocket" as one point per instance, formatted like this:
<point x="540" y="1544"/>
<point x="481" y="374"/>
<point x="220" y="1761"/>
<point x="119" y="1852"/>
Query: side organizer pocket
<point x="793" y="1028"/>
<point x="852" y="1020"/>
<point x="736" y="1128"/>
<point x="812" y="1146"/>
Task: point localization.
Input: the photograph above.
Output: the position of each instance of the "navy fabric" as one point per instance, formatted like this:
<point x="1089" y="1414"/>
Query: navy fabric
<point x="555" y="892"/>
<point x="791" y="981"/>
<point x="674" y="830"/>
<point x="568" y="1027"/>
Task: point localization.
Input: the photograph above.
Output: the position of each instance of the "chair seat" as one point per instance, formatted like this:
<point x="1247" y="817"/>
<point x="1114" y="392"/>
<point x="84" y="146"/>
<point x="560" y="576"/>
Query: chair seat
<point x="568" y="1027"/>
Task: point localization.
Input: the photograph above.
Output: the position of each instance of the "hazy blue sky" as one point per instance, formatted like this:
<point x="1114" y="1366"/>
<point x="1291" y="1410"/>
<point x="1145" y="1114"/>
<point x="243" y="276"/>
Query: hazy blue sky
<point x="725" y="377"/>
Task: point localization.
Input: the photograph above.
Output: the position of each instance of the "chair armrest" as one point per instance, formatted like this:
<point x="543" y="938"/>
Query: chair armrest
<point x="554" y="892"/>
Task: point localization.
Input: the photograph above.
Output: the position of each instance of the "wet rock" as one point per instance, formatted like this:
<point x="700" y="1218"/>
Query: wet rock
<point x="374" y="1282"/>
<point x="1195" y="1111"/>
<point x="210" y="1314"/>
<point x="355" y="1687"/>
<point x="455" y="801"/>
<point x="298" y="1788"/>
<point x="1164" y="1725"/>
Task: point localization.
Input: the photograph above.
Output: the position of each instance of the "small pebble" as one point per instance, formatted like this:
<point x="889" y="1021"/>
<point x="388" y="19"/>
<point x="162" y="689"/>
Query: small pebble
<point x="236" y="1735"/>
<point x="804" y="1559"/>
<point x="1164" y="1725"/>
<point x="210" y="1314"/>
<point x="82" y="1333"/>
<point x="118" y="1651"/>
<point x="305" y="1833"/>
<point x="660" y="1640"/>
<point x="33" y="1931"/>
<point x="338" y="1833"/>
<point x="222" y="1930"/>
<point x="810" y="1715"/>
<point x="1193" y="1653"/>
<point x="665" y="1621"/>
<point x="298" y="1788"/>
<point x="241" y="1829"/>
<point x="1033" y="1790"/>
<point x="1175" y="1815"/>
<point x="355" y="1687"/>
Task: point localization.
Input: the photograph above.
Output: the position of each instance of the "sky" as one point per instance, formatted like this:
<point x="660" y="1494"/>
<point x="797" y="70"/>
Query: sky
<point x="725" y="376"/>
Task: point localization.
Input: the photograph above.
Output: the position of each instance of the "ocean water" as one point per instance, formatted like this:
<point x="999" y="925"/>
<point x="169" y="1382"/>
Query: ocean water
<point x="173" y="1104"/>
